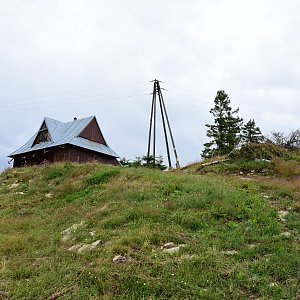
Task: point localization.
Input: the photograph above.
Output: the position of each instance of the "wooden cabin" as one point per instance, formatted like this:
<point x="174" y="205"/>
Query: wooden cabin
<point x="80" y="140"/>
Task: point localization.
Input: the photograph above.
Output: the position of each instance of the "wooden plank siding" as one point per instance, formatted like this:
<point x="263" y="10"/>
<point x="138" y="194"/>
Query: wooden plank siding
<point x="93" y="133"/>
<point x="61" y="154"/>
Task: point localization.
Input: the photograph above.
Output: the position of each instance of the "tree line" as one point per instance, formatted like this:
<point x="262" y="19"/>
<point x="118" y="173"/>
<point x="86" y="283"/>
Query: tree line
<point x="229" y="132"/>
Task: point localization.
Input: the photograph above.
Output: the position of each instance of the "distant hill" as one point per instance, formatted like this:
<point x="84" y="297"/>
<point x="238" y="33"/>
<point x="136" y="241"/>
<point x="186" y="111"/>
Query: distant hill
<point x="93" y="231"/>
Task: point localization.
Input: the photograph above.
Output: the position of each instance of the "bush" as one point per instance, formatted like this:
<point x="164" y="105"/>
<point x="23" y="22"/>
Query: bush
<point x="145" y="161"/>
<point x="260" y="151"/>
<point x="284" y="168"/>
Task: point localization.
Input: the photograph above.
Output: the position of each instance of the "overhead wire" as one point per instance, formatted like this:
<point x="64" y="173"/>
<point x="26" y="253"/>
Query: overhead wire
<point x="55" y="99"/>
<point x="186" y="90"/>
<point x="80" y="100"/>
<point x="74" y="91"/>
<point x="73" y="97"/>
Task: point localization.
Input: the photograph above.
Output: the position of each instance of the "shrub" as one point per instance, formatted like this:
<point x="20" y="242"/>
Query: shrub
<point x="260" y="151"/>
<point x="285" y="168"/>
<point x="145" y="161"/>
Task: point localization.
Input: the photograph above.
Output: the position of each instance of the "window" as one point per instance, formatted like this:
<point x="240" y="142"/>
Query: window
<point x="43" y="135"/>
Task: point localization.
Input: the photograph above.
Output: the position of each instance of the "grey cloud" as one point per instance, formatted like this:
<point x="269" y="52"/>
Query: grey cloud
<point x="249" y="49"/>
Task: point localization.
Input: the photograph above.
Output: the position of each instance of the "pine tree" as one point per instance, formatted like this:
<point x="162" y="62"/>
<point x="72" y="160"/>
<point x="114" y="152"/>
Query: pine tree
<point x="226" y="128"/>
<point x="251" y="133"/>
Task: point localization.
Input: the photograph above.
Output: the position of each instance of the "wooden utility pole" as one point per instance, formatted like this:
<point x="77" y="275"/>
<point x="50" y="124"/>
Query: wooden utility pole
<point x="166" y="124"/>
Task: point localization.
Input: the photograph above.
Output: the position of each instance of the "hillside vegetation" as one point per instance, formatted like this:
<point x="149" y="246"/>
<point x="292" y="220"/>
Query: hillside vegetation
<point x="91" y="231"/>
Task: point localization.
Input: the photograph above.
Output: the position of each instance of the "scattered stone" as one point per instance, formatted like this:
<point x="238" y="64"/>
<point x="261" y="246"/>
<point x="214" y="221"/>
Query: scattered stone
<point x="168" y="245"/>
<point x="241" y="173"/>
<point x="4" y="295"/>
<point x="92" y="233"/>
<point x="119" y="259"/>
<point x="88" y="247"/>
<point x="104" y="207"/>
<point x="266" y="196"/>
<point x="49" y="195"/>
<point x="230" y="252"/>
<point x="282" y="214"/>
<point x="14" y="185"/>
<point x="67" y="233"/>
<point x="171" y="247"/>
<point x="286" y="234"/>
<point x="75" y="248"/>
<point x="172" y="250"/>
<point x="251" y="246"/>
<point x="272" y="284"/>
<point x="20" y="193"/>
<point x="81" y="248"/>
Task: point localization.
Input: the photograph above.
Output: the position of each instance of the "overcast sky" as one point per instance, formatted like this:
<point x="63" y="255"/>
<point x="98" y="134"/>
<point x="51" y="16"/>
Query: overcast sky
<point x="67" y="58"/>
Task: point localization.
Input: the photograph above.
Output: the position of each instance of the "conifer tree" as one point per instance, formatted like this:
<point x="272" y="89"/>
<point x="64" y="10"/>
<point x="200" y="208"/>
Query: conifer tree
<point x="225" y="132"/>
<point x="251" y="133"/>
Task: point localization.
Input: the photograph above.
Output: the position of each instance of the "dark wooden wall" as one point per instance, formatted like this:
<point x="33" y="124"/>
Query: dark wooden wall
<point x="34" y="158"/>
<point x="81" y="155"/>
<point x="93" y="133"/>
<point x="61" y="154"/>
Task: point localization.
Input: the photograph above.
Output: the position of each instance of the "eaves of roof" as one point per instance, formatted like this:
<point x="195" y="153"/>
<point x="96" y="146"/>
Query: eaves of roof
<point x="62" y="134"/>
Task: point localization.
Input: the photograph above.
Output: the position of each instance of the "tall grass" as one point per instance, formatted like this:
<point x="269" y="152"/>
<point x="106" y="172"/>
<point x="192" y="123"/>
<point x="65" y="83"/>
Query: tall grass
<point x="230" y="235"/>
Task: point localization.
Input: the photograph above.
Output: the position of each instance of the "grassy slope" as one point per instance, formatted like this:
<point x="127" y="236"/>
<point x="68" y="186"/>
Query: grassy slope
<point x="134" y="212"/>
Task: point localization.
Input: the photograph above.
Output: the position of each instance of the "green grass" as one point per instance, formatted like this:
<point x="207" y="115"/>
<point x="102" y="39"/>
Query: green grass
<point x="134" y="212"/>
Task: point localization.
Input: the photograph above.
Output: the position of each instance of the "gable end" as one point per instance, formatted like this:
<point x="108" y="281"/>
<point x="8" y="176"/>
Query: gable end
<point x="93" y="133"/>
<point x="43" y="135"/>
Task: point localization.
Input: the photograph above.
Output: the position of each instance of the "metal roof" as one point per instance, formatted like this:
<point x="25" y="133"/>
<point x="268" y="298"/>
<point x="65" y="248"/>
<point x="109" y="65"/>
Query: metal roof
<point x="65" y="133"/>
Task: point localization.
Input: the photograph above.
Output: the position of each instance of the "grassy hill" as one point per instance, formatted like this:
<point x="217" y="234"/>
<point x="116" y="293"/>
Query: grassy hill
<point x="90" y="231"/>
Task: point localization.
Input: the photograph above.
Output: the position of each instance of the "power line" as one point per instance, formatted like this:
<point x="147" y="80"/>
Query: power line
<point x="41" y="101"/>
<point x="187" y="90"/>
<point x="55" y="99"/>
<point x="76" y="91"/>
<point x="80" y="101"/>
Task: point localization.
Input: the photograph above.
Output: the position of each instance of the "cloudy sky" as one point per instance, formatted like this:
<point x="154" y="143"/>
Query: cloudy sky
<point x="67" y="58"/>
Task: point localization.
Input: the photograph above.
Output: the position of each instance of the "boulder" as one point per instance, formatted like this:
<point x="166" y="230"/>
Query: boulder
<point x="119" y="259"/>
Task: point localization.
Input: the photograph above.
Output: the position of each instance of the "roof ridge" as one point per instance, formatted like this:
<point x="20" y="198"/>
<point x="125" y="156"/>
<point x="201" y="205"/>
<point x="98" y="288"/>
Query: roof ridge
<point x="66" y="133"/>
<point x="78" y="119"/>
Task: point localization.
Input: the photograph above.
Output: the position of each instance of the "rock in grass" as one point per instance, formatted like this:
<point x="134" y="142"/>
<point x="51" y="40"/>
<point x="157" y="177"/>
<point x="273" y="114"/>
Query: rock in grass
<point x="168" y="245"/>
<point x="82" y="248"/>
<point x="282" y="214"/>
<point x="251" y="246"/>
<point x="230" y="252"/>
<point x="172" y="250"/>
<point x="67" y="233"/>
<point x="119" y="259"/>
<point x="92" y="233"/>
<point x="171" y="247"/>
<point x="14" y="185"/>
<point x="88" y="247"/>
<point x="286" y="234"/>
<point x="4" y="295"/>
<point x="74" y="248"/>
